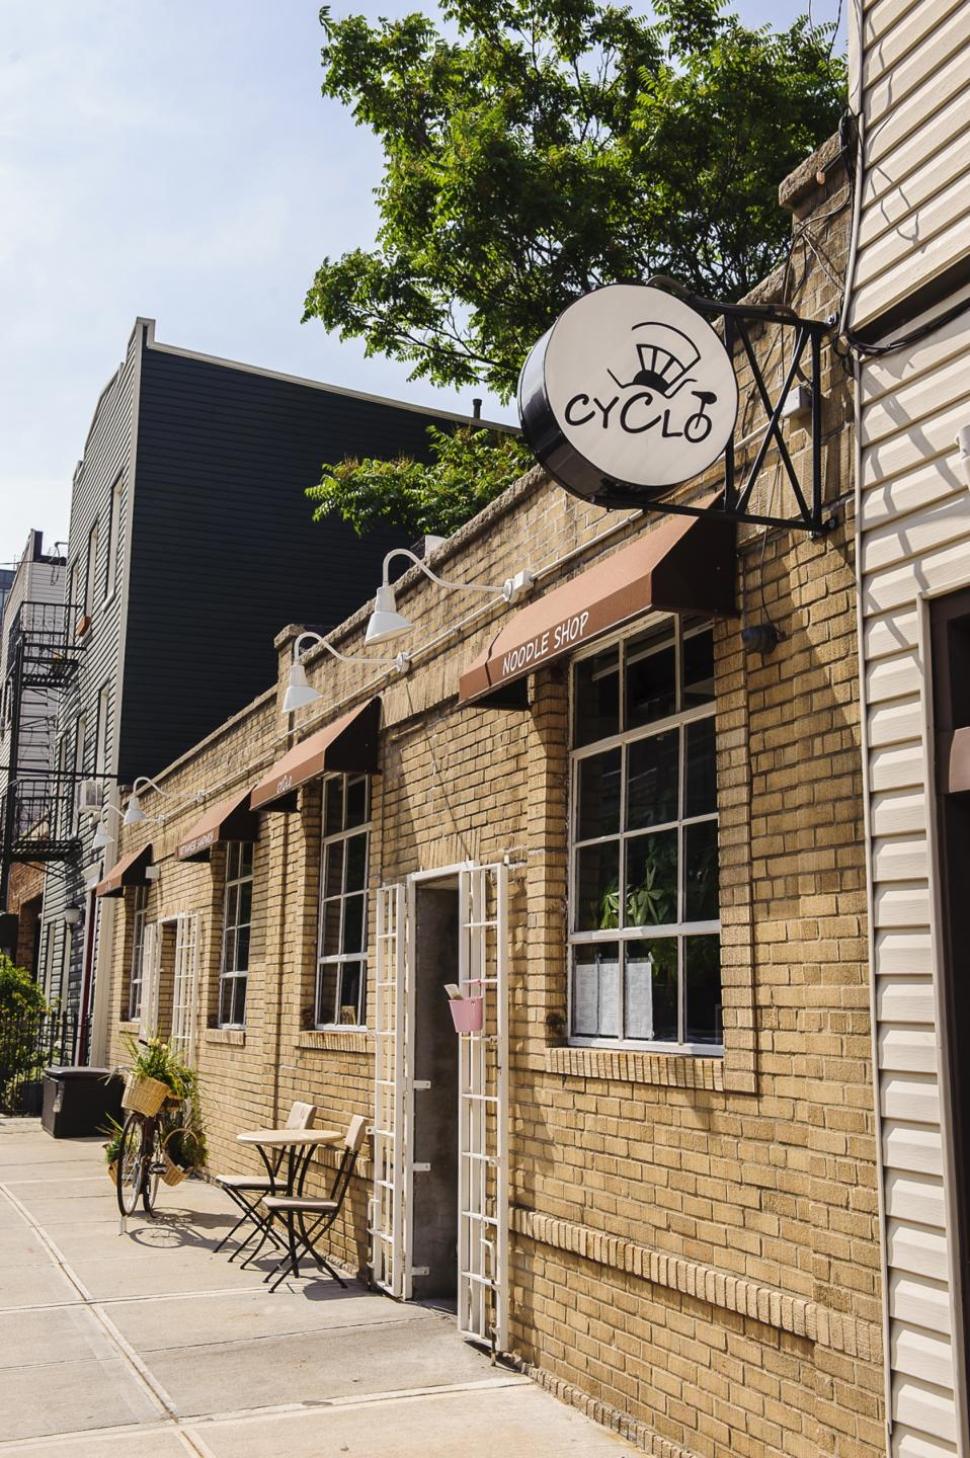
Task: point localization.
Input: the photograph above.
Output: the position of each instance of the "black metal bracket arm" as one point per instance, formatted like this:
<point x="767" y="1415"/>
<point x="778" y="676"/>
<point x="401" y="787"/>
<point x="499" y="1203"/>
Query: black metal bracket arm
<point x="810" y="513"/>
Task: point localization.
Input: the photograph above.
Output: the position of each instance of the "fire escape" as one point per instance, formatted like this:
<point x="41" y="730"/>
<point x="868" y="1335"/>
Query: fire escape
<point x="38" y="814"/>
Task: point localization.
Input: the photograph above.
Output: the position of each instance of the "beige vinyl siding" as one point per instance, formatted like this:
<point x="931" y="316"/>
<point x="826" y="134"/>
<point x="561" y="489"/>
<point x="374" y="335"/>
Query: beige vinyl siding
<point x="915" y="541"/>
<point x="910" y="65"/>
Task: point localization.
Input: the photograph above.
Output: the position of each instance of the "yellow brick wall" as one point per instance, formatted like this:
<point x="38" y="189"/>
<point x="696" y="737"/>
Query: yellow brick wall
<point x="694" y="1240"/>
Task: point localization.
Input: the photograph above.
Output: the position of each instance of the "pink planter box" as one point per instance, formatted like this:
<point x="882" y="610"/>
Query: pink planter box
<point x="467" y="1014"/>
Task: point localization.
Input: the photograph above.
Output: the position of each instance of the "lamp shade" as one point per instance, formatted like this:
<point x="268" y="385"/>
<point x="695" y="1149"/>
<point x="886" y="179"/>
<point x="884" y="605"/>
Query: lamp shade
<point x="385" y="621"/>
<point x="298" y="692"/>
<point x="100" y="837"/>
<point x="134" y="814"/>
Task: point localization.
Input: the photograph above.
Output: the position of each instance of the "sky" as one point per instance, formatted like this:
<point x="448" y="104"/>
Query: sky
<point x="176" y="161"/>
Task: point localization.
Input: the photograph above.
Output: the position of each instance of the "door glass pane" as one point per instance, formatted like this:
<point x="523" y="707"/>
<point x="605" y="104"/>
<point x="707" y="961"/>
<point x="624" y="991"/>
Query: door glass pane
<point x="596" y="700"/>
<point x="700" y="797"/>
<point x="698" y="660"/>
<point x="651" y="879"/>
<point x="597" y="887"/>
<point x="651" y="681"/>
<point x="598" y="794"/>
<point x="652" y="965"/>
<point x="700" y="871"/>
<point x="651" y="780"/>
<point x="702" y="970"/>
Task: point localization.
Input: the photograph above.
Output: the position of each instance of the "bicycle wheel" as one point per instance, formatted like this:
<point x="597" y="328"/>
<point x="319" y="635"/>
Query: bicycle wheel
<point x="152" y="1165"/>
<point x="130" y="1163"/>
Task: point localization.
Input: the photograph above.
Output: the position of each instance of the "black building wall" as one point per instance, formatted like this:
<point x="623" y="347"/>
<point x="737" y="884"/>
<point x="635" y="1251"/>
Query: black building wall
<point x="224" y="550"/>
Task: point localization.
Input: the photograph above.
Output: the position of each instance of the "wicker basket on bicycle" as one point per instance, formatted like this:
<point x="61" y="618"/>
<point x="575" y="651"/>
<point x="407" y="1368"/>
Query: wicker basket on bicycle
<point x="144" y="1095"/>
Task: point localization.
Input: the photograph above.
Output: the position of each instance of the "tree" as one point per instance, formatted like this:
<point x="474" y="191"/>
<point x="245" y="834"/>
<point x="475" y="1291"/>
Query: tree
<point x="469" y="468"/>
<point x="19" y="994"/>
<point x="540" y="148"/>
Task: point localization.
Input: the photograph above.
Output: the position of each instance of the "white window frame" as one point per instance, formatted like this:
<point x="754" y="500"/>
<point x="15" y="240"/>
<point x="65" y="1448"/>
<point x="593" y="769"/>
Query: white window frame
<point x="114" y="538"/>
<point x="80" y="754"/>
<point x="679" y="929"/>
<point x="91" y="570"/>
<point x="236" y="878"/>
<point x="136" y="970"/>
<point x="101" y="729"/>
<point x="339" y="959"/>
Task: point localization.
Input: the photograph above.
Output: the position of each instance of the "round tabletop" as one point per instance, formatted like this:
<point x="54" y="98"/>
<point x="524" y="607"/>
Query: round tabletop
<point x="282" y="1138"/>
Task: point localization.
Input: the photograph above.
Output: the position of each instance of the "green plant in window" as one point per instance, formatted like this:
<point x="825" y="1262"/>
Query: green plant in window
<point x="609" y="915"/>
<point x="654" y="901"/>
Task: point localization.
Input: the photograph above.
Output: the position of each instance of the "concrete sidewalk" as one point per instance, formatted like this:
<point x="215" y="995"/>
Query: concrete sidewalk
<point x="150" y="1343"/>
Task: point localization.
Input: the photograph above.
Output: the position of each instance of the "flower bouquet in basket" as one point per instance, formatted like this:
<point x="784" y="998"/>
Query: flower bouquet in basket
<point x="156" y="1075"/>
<point x="112" y="1149"/>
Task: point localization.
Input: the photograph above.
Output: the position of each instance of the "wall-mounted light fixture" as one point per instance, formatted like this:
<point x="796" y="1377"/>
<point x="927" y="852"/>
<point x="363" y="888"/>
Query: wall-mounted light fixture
<point x="101" y="836"/>
<point x="387" y="623"/>
<point x="73" y="915"/>
<point x="135" y="815"/>
<point x="299" y="693"/>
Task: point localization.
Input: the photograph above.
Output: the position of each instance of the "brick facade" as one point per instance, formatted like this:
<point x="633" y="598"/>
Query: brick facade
<point x="694" y="1240"/>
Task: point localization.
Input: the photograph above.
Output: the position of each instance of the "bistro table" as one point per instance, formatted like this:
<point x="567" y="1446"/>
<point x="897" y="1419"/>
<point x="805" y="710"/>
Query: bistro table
<point x="297" y="1145"/>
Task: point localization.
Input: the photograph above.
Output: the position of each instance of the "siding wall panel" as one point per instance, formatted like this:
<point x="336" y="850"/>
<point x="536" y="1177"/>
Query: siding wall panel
<point x="915" y="525"/>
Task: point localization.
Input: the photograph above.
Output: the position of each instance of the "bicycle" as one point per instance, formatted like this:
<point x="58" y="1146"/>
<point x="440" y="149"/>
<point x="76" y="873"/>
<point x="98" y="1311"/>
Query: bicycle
<point x="145" y="1139"/>
<point x="140" y="1163"/>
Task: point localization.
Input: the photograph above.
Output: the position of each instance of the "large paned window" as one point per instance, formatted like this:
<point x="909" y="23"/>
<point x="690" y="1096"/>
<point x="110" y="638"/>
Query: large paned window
<point x="341" y="989"/>
<point x="644" y="916"/>
<point x="237" y="929"/>
<point x="135" y="975"/>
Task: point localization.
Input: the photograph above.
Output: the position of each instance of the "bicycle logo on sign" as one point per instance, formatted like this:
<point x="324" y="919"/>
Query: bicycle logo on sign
<point x="665" y="357"/>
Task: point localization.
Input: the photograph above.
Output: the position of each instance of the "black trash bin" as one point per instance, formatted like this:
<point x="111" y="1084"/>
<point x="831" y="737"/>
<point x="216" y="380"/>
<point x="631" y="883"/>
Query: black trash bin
<point x="80" y="1101"/>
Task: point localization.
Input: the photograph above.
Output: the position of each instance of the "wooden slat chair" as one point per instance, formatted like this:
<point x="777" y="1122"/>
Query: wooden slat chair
<point x="307" y="1218"/>
<point x="248" y="1190"/>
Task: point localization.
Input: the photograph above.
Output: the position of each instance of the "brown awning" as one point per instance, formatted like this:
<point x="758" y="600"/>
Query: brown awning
<point x="686" y="564"/>
<point x="129" y="871"/>
<point x="348" y="745"/>
<point x="231" y="819"/>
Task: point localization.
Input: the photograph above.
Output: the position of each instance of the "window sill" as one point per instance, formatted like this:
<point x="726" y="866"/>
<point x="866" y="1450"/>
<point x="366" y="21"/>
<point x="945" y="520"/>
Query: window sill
<point x="628" y="1065"/>
<point x="234" y="1037"/>
<point x="129" y="1025"/>
<point x="337" y="1040"/>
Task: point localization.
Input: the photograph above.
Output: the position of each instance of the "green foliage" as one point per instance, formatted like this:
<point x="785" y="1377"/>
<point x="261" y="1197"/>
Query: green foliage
<point x="539" y="150"/>
<point x="19" y="993"/>
<point x="157" y="1059"/>
<point x="114" y="1131"/>
<point x="468" y="470"/>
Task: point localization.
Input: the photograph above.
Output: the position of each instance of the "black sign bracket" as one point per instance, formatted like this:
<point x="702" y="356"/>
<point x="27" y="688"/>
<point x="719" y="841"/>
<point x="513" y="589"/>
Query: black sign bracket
<point x="810" y="512"/>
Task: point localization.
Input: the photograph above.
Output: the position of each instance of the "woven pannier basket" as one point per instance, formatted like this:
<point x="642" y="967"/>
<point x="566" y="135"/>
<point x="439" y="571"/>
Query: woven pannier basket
<point x="173" y="1174"/>
<point x="112" y="1169"/>
<point x="144" y="1095"/>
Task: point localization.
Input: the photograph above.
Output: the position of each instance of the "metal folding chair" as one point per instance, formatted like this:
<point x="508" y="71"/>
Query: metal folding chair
<point x="247" y="1191"/>
<point x="307" y="1218"/>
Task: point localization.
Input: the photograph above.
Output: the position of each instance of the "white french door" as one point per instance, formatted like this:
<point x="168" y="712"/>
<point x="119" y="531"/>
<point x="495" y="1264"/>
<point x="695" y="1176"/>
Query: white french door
<point x="393" y="1101"/>
<point x="483" y="1061"/>
<point x="482" y="1100"/>
<point x="185" y="986"/>
<point x="151" y="966"/>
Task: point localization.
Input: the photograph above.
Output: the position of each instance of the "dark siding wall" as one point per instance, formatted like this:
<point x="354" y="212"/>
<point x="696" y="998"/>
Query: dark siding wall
<point x="225" y="551"/>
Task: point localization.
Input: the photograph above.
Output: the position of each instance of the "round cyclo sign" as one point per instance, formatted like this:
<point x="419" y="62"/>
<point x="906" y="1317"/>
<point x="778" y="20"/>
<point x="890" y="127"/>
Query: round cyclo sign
<point x="629" y="388"/>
